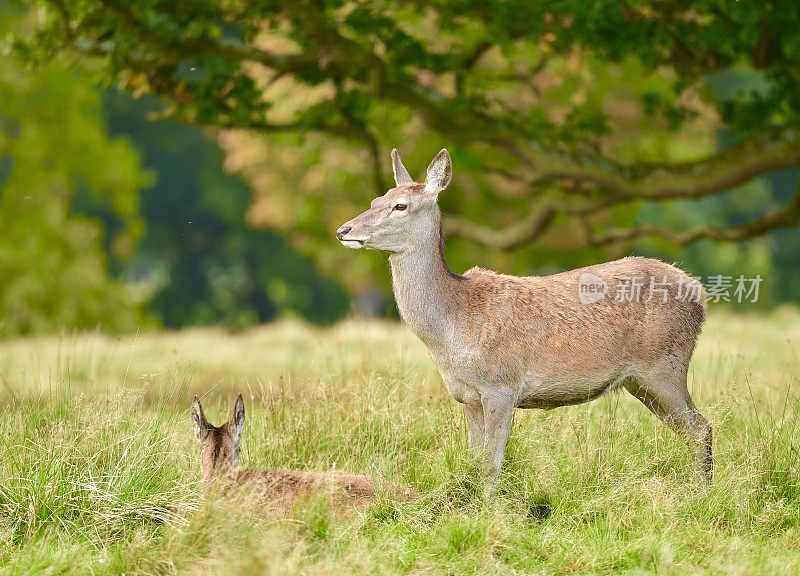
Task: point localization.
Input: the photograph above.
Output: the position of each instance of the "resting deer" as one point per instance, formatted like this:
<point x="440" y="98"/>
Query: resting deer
<point x="219" y="459"/>
<point x="503" y="342"/>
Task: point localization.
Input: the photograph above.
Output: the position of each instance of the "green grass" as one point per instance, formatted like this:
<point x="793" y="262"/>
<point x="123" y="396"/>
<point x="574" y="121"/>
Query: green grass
<point x="98" y="471"/>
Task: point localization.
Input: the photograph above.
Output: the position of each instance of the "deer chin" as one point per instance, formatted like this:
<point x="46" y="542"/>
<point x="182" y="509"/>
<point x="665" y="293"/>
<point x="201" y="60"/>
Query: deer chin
<point x="353" y="243"/>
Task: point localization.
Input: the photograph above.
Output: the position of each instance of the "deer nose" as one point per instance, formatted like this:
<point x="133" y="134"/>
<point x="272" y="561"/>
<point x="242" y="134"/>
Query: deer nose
<point x="342" y="232"/>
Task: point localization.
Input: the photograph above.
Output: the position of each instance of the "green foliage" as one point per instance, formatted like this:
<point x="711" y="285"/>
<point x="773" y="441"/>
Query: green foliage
<point x="53" y="146"/>
<point x="152" y="44"/>
<point x="99" y="472"/>
<point x="596" y="115"/>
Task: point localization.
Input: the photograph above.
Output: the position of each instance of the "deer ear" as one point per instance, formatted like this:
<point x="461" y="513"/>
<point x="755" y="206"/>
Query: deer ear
<point x="439" y="173"/>
<point x="401" y="175"/>
<point x="199" y="422"/>
<point x="236" y="422"/>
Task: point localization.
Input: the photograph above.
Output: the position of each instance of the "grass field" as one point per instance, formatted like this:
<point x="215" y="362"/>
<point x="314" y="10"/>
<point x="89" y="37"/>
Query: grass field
<point x="99" y="474"/>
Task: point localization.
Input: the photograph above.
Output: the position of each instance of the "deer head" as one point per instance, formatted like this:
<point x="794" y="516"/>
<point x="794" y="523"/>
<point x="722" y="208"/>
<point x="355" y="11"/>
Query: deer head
<point x="219" y="446"/>
<point x="404" y="218"/>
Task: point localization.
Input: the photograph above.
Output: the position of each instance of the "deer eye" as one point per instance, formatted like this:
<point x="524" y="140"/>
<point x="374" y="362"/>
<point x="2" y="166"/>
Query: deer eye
<point x="400" y="207"/>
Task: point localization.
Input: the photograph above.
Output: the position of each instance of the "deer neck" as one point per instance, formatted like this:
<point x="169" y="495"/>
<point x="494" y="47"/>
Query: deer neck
<point x="425" y="289"/>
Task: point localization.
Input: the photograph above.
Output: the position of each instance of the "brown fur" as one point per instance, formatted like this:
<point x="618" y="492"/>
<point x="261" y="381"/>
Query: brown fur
<point x="219" y="460"/>
<point x="503" y="342"/>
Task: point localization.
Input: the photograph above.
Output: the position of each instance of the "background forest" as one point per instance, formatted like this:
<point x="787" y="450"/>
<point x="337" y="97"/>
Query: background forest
<point x="174" y="164"/>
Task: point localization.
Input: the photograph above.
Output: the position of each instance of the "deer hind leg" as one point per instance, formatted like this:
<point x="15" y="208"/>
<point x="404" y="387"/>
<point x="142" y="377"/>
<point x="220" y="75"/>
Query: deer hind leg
<point x="665" y="395"/>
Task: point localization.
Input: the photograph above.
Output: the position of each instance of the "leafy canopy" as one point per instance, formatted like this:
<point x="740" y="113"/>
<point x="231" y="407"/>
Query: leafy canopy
<point x="564" y="118"/>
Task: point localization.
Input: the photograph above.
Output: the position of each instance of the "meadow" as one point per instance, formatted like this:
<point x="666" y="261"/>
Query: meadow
<point x="99" y="472"/>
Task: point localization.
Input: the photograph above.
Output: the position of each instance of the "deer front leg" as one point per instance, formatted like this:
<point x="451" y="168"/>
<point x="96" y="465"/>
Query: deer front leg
<point x="498" y="411"/>
<point x="476" y="435"/>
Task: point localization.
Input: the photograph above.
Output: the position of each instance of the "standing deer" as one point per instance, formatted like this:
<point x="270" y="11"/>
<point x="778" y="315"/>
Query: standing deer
<point x="503" y="342"/>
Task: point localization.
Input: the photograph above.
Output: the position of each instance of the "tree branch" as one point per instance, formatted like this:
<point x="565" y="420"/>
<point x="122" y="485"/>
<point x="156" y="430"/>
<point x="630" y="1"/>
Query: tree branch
<point x="723" y="171"/>
<point x="508" y="238"/>
<point x="785" y="217"/>
<point x="541" y="218"/>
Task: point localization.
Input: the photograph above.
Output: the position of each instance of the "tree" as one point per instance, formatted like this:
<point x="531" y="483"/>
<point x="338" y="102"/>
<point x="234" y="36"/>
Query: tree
<point x="53" y="147"/>
<point x="565" y="120"/>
